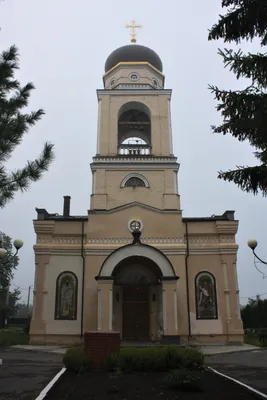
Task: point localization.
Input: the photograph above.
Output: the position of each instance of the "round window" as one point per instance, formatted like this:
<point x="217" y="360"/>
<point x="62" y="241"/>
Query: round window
<point x="134" y="77"/>
<point x="112" y="82"/>
<point x="155" y="83"/>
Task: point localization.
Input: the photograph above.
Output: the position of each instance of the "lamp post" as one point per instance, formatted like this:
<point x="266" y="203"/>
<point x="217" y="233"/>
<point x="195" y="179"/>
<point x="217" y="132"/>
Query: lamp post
<point x="252" y="243"/>
<point x="18" y="243"/>
<point x="4" y="260"/>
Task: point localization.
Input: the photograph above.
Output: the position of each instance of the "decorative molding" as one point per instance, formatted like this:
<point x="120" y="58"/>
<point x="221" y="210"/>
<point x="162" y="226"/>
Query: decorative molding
<point x="133" y="92"/>
<point x="193" y="241"/>
<point x="67" y="240"/>
<point x="133" y="159"/>
<point x="124" y="241"/>
<point x="227" y="239"/>
<point x="45" y="239"/>
<point x="207" y="240"/>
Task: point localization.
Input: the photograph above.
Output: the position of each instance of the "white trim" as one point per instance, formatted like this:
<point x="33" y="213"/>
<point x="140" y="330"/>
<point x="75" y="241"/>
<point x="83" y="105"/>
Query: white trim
<point x="98" y="127"/>
<point x="175" y="310"/>
<point x="263" y="395"/>
<point x="45" y="391"/>
<point x="110" y="309"/>
<point x="99" y="309"/>
<point x="165" y="328"/>
<point x="228" y="309"/>
<point x="225" y="276"/>
<point x="170" y="126"/>
<point x="130" y="92"/>
<point x="134" y="175"/>
<point x="142" y="251"/>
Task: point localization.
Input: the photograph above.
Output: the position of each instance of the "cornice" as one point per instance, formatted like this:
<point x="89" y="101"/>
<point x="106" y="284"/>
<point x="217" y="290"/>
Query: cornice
<point x="120" y="159"/>
<point x="44" y="226"/>
<point x="227" y="227"/>
<point x="138" y="165"/>
<point x="133" y="92"/>
<point x="136" y="64"/>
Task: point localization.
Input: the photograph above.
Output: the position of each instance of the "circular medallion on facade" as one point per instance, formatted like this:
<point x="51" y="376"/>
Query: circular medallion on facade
<point x="135" y="224"/>
<point x="134" y="76"/>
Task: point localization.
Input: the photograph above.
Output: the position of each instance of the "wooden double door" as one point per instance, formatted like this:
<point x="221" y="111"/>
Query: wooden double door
<point x="135" y="313"/>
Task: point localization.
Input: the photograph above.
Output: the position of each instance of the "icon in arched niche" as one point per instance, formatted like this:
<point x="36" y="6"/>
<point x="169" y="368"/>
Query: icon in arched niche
<point x="66" y="296"/>
<point x="206" y="298"/>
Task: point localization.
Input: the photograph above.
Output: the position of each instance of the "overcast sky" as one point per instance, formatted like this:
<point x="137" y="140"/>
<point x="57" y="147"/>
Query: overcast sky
<point x="63" y="46"/>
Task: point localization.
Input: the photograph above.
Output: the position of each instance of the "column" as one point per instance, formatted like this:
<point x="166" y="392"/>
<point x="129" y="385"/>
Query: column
<point x="37" y="329"/>
<point x="105" y="304"/>
<point x="98" y="128"/>
<point x="169" y="303"/>
<point x="226" y="293"/>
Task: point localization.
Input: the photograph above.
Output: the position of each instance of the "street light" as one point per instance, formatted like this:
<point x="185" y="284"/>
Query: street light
<point x="252" y="243"/>
<point x="18" y="243"/>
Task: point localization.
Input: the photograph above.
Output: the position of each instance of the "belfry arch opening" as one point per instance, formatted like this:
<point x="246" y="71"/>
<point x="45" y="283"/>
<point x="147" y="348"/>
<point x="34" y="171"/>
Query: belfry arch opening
<point x="134" y="129"/>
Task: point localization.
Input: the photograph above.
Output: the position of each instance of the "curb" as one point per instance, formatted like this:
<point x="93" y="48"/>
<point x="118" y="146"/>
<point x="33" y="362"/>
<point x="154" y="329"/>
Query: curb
<point x="44" y="392"/>
<point x="251" y="389"/>
<point x="232" y="352"/>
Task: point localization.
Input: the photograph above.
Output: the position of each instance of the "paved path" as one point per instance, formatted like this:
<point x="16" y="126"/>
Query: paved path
<point x="207" y="349"/>
<point x="247" y="367"/>
<point x="24" y="374"/>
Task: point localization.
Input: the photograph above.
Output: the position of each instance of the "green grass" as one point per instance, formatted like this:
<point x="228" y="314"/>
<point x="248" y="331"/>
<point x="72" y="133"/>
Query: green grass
<point x="11" y="337"/>
<point x="253" y="340"/>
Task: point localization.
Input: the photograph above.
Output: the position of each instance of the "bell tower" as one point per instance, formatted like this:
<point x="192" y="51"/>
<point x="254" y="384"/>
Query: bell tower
<point x="134" y="159"/>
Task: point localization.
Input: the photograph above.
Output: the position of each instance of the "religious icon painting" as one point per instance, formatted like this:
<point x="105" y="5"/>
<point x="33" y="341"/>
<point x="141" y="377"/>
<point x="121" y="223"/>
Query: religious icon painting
<point x="66" y="296"/>
<point x="206" y="297"/>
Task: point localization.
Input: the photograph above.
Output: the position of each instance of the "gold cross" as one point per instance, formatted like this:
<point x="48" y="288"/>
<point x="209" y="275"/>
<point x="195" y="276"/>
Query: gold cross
<point x="133" y="26"/>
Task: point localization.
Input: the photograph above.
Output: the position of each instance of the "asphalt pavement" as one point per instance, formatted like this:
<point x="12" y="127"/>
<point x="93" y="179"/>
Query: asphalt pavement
<point x="247" y="367"/>
<point x="24" y="374"/>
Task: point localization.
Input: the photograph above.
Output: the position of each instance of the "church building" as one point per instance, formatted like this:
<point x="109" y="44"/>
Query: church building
<point x="133" y="263"/>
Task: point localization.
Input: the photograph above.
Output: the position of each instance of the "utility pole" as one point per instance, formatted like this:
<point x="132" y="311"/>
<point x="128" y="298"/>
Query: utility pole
<point x="28" y="302"/>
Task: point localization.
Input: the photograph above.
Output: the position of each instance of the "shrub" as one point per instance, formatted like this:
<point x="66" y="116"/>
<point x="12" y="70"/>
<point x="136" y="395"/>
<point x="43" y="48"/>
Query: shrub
<point x="182" y="378"/>
<point x="262" y="337"/>
<point x="155" y="359"/>
<point x="76" y="359"/>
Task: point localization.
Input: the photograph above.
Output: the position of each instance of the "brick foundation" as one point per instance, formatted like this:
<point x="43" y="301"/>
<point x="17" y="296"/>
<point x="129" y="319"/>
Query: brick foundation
<point x="99" y="345"/>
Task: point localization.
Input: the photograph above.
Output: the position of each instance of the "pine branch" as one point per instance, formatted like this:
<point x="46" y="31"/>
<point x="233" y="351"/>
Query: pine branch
<point x="21" y="179"/>
<point x="244" y="114"/>
<point x="245" y="20"/>
<point x="249" y="179"/>
<point x="250" y="66"/>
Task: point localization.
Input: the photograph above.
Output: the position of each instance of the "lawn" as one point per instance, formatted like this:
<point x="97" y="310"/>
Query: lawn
<point x="12" y="337"/>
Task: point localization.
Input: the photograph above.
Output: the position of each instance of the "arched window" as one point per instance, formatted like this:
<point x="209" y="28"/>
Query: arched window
<point x="206" y="297"/>
<point x="66" y="296"/>
<point x="134" y="180"/>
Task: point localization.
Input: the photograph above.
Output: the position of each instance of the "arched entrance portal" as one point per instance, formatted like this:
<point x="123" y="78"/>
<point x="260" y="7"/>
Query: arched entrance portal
<point x="137" y="294"/>
<point x="137" y="299"/>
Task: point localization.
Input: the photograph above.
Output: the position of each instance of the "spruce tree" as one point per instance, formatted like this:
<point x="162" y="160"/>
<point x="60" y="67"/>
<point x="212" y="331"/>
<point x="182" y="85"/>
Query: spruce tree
<point x="14" y="124"/>
<point x="244" y="112"/>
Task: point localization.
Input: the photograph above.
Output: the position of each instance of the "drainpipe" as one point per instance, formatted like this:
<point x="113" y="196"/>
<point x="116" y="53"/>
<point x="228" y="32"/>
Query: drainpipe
<point x="83" y="276"/>
<point x="187" y="280"/>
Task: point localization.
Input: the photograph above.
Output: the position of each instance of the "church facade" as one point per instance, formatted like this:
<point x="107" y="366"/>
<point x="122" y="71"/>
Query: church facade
<point x="134" y="264"/>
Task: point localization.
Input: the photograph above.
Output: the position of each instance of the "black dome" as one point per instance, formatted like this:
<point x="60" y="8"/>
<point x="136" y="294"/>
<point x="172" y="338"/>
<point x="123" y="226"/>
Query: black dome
<point x="133" y="53"/>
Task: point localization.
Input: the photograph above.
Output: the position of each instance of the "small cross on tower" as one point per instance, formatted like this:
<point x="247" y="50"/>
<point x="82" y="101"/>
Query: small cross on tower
<point x="133" y="26"/>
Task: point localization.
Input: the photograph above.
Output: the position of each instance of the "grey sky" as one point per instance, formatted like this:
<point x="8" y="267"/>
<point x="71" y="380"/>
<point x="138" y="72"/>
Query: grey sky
<point x="63" y="46"/>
